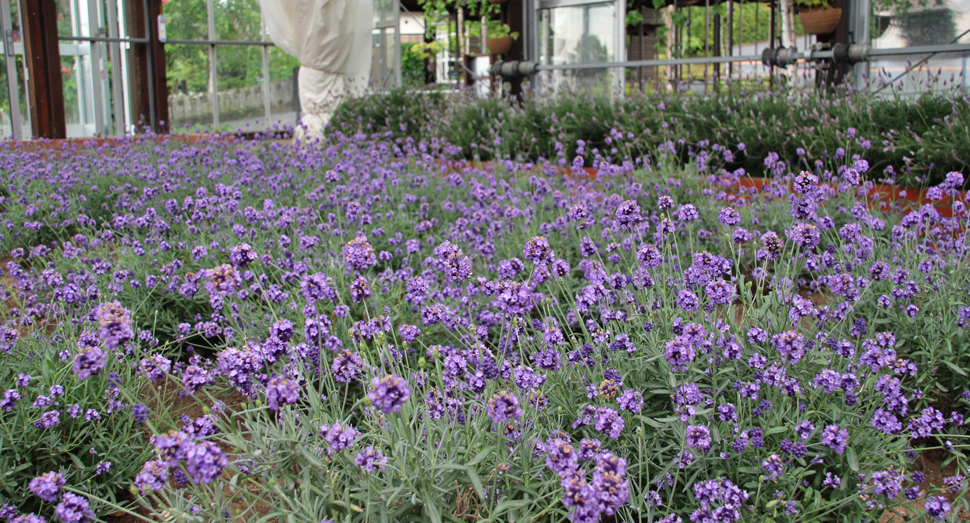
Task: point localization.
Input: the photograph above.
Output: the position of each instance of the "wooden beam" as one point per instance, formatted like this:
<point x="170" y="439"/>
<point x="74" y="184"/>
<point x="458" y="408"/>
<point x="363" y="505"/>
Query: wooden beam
<point x="45" y="84"/>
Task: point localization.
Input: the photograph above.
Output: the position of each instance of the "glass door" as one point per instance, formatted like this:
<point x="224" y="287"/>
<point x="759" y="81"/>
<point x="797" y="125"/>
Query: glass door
<point x="94" y="67"/>
<point x="14" y="107"/>
<point x="386" y="57"/>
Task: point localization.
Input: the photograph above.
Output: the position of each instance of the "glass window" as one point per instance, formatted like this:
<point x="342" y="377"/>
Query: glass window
<point x="580" y="34"/>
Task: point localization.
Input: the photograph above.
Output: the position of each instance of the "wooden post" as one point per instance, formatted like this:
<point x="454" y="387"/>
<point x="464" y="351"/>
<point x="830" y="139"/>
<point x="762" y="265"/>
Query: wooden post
<point x="512" y="15"/>
<point x="836" y="73"/>
<point x="45" y="85"/>
<point x="772" y="36"/>
<point x="149" y="90"/>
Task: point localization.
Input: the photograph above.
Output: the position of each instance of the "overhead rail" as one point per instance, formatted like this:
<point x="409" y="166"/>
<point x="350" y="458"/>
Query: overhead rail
<point x="771" y="56"/>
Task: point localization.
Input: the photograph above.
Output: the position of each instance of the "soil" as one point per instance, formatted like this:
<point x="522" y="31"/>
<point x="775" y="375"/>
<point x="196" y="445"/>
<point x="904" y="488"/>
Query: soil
<point x="931" y="463"/>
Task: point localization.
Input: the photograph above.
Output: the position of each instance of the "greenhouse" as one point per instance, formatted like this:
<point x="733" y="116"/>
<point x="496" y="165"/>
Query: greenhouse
<point x="538" y="261"/>
<point x="101" y="67"/>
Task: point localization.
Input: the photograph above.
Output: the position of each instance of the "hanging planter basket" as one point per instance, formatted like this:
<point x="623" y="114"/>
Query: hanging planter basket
<point x="820" y="21"/>
<point x="499" y="45"/>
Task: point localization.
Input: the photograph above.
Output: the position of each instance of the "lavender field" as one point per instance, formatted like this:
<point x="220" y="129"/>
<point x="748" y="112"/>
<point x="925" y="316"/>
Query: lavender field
<point x="363" y="330"/>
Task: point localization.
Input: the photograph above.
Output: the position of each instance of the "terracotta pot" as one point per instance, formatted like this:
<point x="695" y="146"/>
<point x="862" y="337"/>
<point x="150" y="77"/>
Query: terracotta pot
<point x="820" y="21"/>
<point x="500" y="45"/>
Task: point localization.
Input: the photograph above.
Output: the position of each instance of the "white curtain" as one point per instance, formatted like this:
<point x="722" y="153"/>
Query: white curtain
<point x="332" y="39"/>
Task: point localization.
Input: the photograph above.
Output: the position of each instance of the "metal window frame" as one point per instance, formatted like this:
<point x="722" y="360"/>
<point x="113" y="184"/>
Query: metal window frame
<point x="10" y="61"/>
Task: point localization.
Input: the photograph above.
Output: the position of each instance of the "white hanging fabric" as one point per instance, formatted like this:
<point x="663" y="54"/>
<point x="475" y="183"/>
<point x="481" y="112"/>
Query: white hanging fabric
<point x="332" y="39"/>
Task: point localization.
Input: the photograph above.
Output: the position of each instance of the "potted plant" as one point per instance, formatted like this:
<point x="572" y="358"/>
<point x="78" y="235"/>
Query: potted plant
<point x="499" y="37"/>
<point x="818" y="17"/>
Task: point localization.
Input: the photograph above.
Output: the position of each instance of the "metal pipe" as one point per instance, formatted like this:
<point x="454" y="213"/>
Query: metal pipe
<point x="215" y="42"/>
<point x="651" y="63"/>
<point x="103" y="39"/>
<point x="213" y="66"/>
<point x="800" y="55"/>
<point x="903" y="51"/>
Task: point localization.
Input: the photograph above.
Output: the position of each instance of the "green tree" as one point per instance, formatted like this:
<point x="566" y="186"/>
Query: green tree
<point x="187" y="65"/>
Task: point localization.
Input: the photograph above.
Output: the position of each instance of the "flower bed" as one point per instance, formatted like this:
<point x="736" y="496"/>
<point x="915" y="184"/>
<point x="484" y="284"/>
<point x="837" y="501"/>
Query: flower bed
<point x="419" y="341"/>
<point x="916" y="142"/>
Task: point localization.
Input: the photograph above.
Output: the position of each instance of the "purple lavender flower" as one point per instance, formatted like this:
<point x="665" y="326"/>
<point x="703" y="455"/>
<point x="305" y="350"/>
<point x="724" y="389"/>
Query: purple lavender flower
<point x="74" y="509"/>
<point x="687" y="301"/>
<point x="317" y="287"/>
<point x="771" y="246"/>
<point x="114" y="322"/>
<point x="609" y="422"/>
<point x="937" y="507"/>
<point x="589" y="449"/>
<point x="729" y="217"/>
<point x="791" y="345"/>
<point x="347" y="367"/>
<point x="10" y="398"/>
<point x="720" y="500"/>
<point x="720" y="292"/>
<point x="152" y="478"/>
<point x="242" y="255"/>
<point x="561" y="457"/>
<point x="609" y="482"/>
<point x="338" y="437"/>
<point x="832" y="480"/>
<point x="885" y="422"/>
<point x="503" y="407"/>
<point x="835" y="438"/>
<point x="453" y="262"/>
<point x="699" y="437"/>
<point x="281" y="391"/>
<point x="359" y="289"/>
<point x="88" y="362"/>
<point x="48" y="420"/>
<point x="47" y="486"/>
<point x="665" y="202"/>
<point x="773" y="466"/>
<point x="223" y="280"/>
<point x="389" y="394"/>
<point x="409" y="333"/>
<point x="139" y="412"/>
<point x="102" y="467"/>
<point x="581" y="499"/>
<point x="359" y="255"/>
<point x="370" y="460"/>
<point x="630" y="400"/>
<point x="805" y="235"/>
<point x="204" y="462"/>
<point x="888" y="483"/>
<point x="627" y="213"/>
<point x="156" y="367"/>
<point x="538" y="251"/>
<point x="930" y="420"/>
<point x="687" y="213"/>
<point x="804" y="430"/>
<point x="26" y="518"/>
<point x="679" y="353"/>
